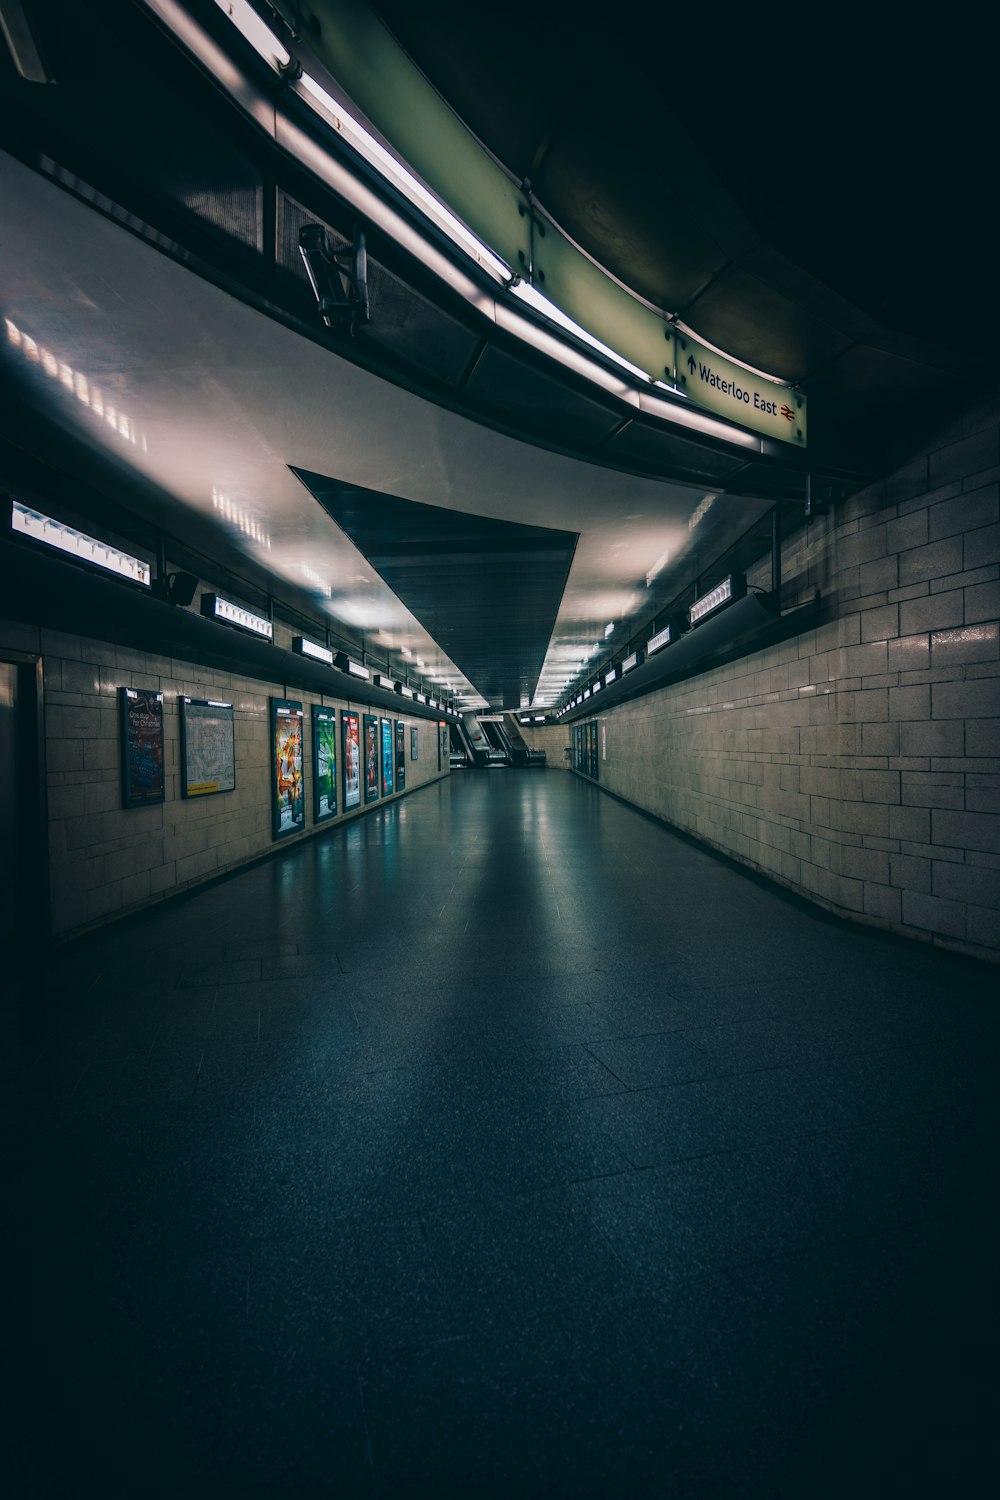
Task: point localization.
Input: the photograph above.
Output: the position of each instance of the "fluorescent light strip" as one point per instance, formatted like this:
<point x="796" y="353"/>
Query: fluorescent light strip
<point x="250" y="26"/>
<point x="714" y="599"/>
<point x="388" y="683"/>
<point x="229" y="613"/>
<point x="630" y="662"/>
<point x="611" y="676"/>
<point x="534" y="298"/>
<point x="661" y="638"/>
<point x="407" y="692"/>
<point x="42" y="528"/>
<point x="393" y="171"/>
<point x="309" y="648"/>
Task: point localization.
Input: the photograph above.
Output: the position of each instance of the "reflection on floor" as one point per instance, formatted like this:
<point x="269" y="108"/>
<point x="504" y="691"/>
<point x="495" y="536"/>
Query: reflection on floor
<point x="502" y="1144"/>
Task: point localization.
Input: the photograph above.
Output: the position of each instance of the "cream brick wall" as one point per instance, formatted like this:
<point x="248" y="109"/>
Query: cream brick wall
<point x="858" y="764"/>
<point x="106" y="861"/>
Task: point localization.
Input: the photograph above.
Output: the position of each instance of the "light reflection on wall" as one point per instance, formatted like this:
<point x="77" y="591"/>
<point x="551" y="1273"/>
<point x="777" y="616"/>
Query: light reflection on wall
<point x="86" y="391"/>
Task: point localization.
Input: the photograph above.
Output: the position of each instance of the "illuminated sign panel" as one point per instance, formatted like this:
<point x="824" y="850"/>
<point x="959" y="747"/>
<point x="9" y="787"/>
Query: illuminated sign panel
<point x="228" y="613"/>
<point x="42" y="528"/>
<point x="741" y="395"/>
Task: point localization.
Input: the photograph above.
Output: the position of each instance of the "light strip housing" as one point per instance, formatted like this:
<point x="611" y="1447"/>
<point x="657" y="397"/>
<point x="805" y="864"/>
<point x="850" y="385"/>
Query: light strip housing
<point x="315" y="652"/>
<point x="403" y="690"/>
<point x="610" y="677"/>
<point x="215" y="607"/>
<point x="387" y="684"/>
<point x="42" y="528"/>
<point x="659" y="640"/>
<point x="632" y="660"/>
<point x="733" y="587"/>
<point x="353" y="668"/>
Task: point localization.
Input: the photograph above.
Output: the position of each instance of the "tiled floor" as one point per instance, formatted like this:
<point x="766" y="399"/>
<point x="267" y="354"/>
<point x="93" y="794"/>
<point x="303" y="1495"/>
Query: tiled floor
<point x="502" y="1144"/>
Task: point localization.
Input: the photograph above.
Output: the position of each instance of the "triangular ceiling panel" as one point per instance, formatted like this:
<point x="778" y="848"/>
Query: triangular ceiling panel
<point x="487" y="591"/>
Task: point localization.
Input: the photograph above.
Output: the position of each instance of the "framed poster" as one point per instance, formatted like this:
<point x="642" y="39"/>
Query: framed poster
<point x="387" y="758"/>
<point x="324" y="730"/>
<point x="400" y="756"/>
<point x="287" y="799"/>
<point x="371" y="758"/>
<point x="593" y="749"/>
<point x="143" y="780"/>
<point x="414" y="742"/>
<point x="440" y="741"/>
<point x="351" y="733"/>
<point x="208" y="747"/>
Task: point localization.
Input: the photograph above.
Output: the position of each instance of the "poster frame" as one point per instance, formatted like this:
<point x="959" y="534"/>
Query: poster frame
<point x="400" y="756"/>
<point x="130" y="742"/>
<point x="370" y="757"/>
<point x="282" y="711"/>
<point x="386" y="765"/>
<point x="189" y="787"/>
<point x="321" y="715"/>
<point x="348" y="717"/>
<point x="414" y="742"/>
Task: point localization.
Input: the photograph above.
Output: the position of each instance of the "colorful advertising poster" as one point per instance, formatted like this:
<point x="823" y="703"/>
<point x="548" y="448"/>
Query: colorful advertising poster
<point x="400" y="756"/>
<point x="351" y="726"/>
<point x="143" y="781"/>
<point x="414" y="742"/>
<point x="288" y="802"/>
<point x="371" y="758"/>
<point x="208" y="747"/>
<point x="387" y="755"/>
<point x="593" y="749"/>
<point x="324" y="762"/>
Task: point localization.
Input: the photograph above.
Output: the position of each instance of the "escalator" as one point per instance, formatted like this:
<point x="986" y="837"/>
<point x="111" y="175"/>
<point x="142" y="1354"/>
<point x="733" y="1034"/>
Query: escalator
<point x="477" y="728"/>
<point x="493" y="730"/>
<point x="463" y="753"/>
<point x="520" y="751"/>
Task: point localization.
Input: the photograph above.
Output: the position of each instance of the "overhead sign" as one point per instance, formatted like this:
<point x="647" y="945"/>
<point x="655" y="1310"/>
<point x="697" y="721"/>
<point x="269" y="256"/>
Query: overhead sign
<point x="728" y="389"/>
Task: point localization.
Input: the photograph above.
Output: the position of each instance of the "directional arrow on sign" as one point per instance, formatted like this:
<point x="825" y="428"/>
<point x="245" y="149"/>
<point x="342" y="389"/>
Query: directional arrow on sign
<point x="691" y="365"/>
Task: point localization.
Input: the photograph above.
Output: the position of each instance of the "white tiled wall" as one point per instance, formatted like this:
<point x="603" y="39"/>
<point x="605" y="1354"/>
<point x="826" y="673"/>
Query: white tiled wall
<point x="859" y="763"/>
<point x="106" y="860"/>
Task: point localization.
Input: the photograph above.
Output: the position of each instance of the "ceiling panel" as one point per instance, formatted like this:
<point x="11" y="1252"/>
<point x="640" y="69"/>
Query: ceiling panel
<point x="510" y="385"/>
<point x="487" y="590"/>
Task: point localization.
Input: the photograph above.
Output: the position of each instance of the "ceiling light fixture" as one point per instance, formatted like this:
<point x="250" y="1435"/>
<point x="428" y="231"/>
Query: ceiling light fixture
<point x="731" y="588"/>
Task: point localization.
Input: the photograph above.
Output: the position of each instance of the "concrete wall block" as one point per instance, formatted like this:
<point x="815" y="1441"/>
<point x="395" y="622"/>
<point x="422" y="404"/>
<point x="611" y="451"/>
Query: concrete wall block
<point x="982" y="793"/>
<point x="981" y="450"/>
<point x="982" y="739"/>
<point x="864" y="817"/>
<point x="931" y="914"/>
<point x="932" y="737"/>
<point x="880" y="624"/>
<point x="879" y="575"/>
<point x="910" y="874"/>
<point x="910" y="823"/>
<point x="981" y="548"/>
<point x="983" y="929"/>
<point x="909" y="703"/>
<point x="932" y="612"/>
<point x="968" y="643"/>
<point x="966" y="830"/>
<point x="967" y="883"/>
<point x="968" y="511"/>
<point x="982" y="602"/>
<point x="880" y="739"/>
<point x="933" y="789"/>
<point x="966" y="579"/>
<point x="923" y="563"/>
<point x="978" y="699"/>
<point x="865" y="661"/>
<point x="908" y="531"/>
<point x="909" y="653"/>
<point x="882" y="902"/>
